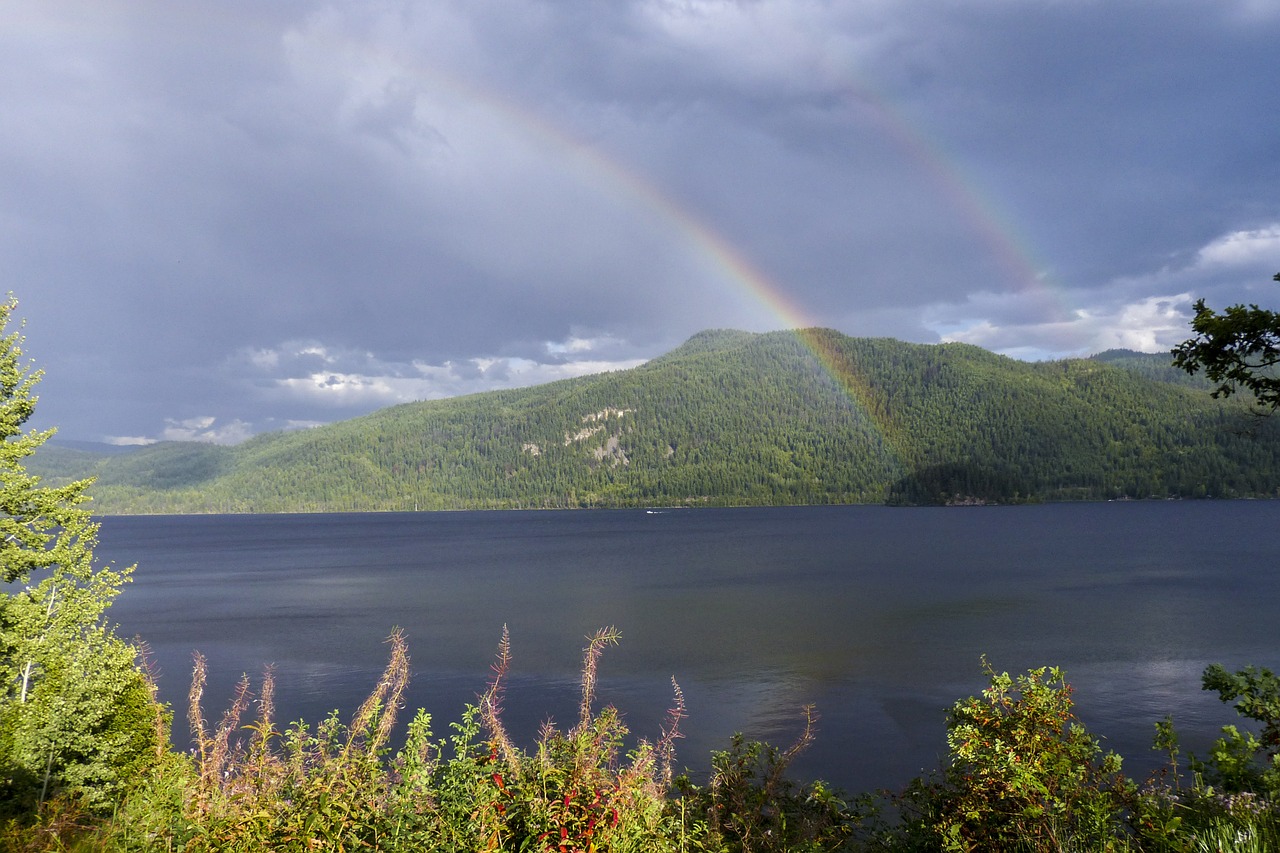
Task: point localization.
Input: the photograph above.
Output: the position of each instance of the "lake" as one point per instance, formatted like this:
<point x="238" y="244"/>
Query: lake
<point x="878" y="616"/>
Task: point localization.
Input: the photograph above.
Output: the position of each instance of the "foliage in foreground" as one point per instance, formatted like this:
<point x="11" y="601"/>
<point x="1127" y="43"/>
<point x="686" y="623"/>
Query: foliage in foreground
<point x="1022" y="774"/>
<point x="253" y="787"/>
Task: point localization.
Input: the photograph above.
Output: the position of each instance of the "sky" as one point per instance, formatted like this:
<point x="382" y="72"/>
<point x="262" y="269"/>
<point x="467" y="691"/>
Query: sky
<point x="225" y="218"/>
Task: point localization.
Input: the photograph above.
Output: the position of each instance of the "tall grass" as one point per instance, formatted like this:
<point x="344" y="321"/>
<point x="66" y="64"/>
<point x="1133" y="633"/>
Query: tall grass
<point x="250" y="786"/>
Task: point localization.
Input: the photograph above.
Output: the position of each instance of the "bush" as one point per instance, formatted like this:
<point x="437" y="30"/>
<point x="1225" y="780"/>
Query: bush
<point x="1024" y="774"/>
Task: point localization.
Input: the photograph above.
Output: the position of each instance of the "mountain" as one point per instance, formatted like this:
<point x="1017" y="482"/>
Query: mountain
<point x="734" y="418"/>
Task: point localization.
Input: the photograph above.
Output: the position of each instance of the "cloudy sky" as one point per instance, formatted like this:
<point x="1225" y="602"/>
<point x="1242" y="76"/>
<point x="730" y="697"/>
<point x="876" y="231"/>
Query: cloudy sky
<point x="222" y="218"/>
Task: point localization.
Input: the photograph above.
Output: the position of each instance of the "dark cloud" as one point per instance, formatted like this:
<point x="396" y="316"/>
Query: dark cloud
<point x="227" y="218"/>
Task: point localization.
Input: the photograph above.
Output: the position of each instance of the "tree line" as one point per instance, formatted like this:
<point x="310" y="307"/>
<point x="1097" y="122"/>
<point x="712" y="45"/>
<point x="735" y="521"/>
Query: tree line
<point x="732" y="418"/>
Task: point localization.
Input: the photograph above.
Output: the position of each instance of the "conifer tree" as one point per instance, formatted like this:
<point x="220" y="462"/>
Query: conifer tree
<point x="77" y="716"/>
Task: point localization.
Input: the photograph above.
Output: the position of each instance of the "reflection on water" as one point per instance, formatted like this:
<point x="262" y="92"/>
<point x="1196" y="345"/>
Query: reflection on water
<point x="878" y="616"/>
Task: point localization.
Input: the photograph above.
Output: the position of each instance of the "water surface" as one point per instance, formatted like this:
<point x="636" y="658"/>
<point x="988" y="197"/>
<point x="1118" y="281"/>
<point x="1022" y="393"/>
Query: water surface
<point x="878" y="616"/>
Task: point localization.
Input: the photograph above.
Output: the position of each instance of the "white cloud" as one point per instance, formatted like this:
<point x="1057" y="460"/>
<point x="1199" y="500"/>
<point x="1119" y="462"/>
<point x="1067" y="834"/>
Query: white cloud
<point x="1148" y="312"/>
<point x="1149" y="324"/>
<point x="1240" y="248"/>
<point x="348" y="389"/>
<point x="129" y="440"/>
<point x="263" y="359"/>
<point x="316" y="350"/>
<point x="360" y="381"/>
<point x="193" y="424"/>
<point x="574" y="344"/>
<point x="530" y="372"/>
<point x="206" y="429"/>
<point x="293" y="425"/>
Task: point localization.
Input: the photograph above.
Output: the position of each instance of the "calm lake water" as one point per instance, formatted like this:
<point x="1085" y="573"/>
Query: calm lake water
<point x="878" y="616"/>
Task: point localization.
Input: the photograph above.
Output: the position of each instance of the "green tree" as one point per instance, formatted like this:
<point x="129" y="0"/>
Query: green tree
<point x="1236" y="349"/>
<point x="77" y="715"/>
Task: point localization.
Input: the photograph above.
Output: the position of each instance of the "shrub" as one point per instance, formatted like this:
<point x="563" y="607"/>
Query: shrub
<point x="1024" y="774"/>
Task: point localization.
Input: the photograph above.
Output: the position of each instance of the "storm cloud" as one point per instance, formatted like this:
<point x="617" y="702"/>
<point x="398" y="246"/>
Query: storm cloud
<point x="221" y="219"/>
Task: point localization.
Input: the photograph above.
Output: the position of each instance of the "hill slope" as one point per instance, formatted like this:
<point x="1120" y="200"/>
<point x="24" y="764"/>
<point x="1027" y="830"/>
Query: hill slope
<point x="737" y="418"/>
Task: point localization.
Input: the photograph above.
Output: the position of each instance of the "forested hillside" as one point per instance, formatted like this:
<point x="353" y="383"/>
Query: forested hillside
<point x="737" y="418"/>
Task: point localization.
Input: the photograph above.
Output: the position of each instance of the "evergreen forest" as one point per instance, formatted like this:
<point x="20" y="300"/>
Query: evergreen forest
<point x="735" y="418"/>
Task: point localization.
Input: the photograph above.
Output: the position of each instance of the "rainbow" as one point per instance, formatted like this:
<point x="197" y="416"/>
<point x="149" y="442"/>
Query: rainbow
<point x="725" y="257"/>
<point x="961" y="193"/>
<point x="981" y="214"/>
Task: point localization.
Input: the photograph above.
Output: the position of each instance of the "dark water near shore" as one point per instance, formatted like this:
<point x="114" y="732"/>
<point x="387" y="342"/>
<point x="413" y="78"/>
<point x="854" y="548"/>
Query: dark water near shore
<point x="878" y="616"/>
